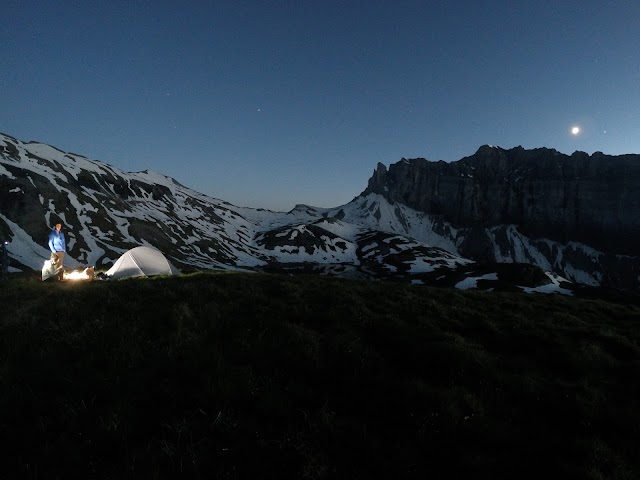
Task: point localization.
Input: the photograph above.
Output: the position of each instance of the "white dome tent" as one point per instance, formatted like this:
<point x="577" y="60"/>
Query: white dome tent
<point x="141" y="262"/>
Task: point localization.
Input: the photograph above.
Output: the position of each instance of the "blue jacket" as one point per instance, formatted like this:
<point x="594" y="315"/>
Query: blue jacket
<point x="56" y="241"/>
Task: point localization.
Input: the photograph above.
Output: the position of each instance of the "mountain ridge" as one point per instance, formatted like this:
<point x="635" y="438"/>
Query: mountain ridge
<point x="593" y="199"/>
<point x="107" y="211"/>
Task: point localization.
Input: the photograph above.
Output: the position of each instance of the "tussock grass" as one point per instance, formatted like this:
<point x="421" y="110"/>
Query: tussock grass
<point x="268" y="376"/>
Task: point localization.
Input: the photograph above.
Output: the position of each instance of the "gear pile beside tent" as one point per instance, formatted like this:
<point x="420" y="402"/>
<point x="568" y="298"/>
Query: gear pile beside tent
<point x="52" y="268"/>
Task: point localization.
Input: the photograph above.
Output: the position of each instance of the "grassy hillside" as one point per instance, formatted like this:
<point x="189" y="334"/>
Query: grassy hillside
<point x="271" y="376"/>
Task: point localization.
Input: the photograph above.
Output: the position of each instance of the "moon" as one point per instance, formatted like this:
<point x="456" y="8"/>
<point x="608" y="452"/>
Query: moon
<point x="575" y="130"/>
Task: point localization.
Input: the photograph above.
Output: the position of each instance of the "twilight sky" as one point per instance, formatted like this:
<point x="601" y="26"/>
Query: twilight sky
<point x="272" y="103"/>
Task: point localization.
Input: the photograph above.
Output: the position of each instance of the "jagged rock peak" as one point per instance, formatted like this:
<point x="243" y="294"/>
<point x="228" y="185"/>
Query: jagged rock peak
<point x="378" y="181"/>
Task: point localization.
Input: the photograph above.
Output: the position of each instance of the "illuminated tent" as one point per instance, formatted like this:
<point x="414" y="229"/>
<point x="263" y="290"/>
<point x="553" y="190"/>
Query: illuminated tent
<point x="141" y="262"/>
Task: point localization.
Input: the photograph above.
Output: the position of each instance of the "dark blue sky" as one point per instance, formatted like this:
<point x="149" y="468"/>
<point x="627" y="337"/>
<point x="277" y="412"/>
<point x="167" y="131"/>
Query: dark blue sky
<point x="269" y="104"/>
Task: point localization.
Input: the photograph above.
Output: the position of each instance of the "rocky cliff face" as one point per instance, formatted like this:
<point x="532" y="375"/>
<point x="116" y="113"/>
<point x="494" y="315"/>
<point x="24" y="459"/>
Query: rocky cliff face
<point x="576" y="215"/>
<point x="593" y="199"/>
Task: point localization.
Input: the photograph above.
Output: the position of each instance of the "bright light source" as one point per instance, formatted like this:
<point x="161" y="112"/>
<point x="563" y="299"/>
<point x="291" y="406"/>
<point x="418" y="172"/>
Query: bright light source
<point x="575" y="130"/>
<point x="87" y="274"/>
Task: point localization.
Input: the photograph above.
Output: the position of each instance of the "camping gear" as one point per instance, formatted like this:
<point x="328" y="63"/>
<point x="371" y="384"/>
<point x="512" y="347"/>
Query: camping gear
<point x="52" y="268"/>
<point x="139" y="262"/>
<point x="80" y="274"/>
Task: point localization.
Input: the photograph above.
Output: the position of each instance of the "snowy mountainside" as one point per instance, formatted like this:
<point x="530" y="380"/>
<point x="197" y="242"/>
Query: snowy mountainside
<point x="106" y="211"/>
<point x="375" y="212"/>
<point x="574" y="261"/>
<point x="332" y="241"/>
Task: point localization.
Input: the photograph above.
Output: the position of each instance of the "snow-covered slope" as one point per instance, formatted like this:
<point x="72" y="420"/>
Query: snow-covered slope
<point x="574" y="261"/>
<point x="107" y="211"/>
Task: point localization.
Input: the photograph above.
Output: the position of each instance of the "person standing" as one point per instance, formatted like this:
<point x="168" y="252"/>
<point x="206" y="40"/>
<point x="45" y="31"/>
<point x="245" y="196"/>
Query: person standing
<point x="57" y="243"/>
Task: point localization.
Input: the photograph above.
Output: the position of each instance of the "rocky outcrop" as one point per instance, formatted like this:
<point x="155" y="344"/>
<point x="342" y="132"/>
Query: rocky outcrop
<point x="592" y="199"/>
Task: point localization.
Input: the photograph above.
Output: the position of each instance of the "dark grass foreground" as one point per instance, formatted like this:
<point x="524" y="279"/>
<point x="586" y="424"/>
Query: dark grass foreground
<point x="266" y="376"/>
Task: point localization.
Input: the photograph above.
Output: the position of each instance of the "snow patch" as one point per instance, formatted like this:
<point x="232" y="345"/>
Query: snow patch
<point x="472" y="282"/>
<point x="6" y="173"/>
<point x="553" y="287"/>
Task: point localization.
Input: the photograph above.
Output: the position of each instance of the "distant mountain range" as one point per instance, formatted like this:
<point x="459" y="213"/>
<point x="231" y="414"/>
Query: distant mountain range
<point x="497" y="219"/>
